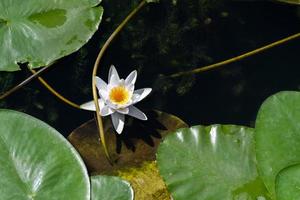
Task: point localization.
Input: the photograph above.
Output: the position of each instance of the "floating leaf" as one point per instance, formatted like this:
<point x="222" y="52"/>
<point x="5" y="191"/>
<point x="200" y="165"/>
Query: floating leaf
<point x="215" y="162"/>
<point x="146" y="181"/>
<point x="110" y="188"/>
<point x="277" y="135"/>
<point x="288" y="183"/>
<point x="40" y="32"/>
<point x="133" y="151"/>
<point x="36" y="162"/>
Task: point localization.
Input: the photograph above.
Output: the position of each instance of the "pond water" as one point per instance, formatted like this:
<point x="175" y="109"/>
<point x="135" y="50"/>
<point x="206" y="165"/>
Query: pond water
<point x="164" y="39"/>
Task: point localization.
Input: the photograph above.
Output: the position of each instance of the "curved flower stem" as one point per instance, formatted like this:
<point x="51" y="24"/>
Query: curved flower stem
<point x="95" y="70"/>
<point x="195" y="71"/>
<point x="237" y="58"/>
<point x="23" y="83"/>
<point x="54" y="92"/>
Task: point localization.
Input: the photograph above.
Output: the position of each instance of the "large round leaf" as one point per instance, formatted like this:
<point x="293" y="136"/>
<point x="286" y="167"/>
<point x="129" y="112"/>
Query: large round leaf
<point x="39" y="32"/>
<point x="288" y="183"/>
<point x="277" y="135"/>
<point x="110" y="188"/>
<point x="36" y="162"/>
<point x="215" y="162"/>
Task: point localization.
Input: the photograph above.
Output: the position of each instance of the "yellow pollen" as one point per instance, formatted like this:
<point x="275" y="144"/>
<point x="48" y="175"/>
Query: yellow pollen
<point x="119" y="95"/>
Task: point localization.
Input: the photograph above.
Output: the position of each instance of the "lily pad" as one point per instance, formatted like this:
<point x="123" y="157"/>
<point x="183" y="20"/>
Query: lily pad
<point x="36" y="162"/>
<point x="40" y="32"/>
<point x="110" y="188"/>
<point x="146" y="181"/>
<point x="133" y="151"/>
<point x="277" y="135"/>
<point x="214" y="162"/>
<point x="288" y="183"/>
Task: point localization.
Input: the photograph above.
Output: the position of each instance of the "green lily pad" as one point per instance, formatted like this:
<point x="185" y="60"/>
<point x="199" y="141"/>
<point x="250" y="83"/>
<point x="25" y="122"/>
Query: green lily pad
<point x="277" y="135"/>
<point x="40" y="32"/>
<point x="133" y="152"/>
<point x="36" y="162"/>
<point x="110" y="188"/>
<point x="214" y="162"/>
<point x="146" y="181"/>
<point x="288" y="183"/>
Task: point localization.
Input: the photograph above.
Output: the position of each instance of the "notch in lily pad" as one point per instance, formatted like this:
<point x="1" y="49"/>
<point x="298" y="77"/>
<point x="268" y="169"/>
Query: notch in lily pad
<point x="34" y="34"/>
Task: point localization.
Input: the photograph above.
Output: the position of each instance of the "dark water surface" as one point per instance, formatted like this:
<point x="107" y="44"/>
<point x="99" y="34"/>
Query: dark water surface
<point x="165" y="39"/>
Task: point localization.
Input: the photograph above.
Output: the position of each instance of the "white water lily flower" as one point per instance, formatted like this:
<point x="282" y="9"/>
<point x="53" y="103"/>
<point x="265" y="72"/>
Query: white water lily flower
<point x="117" y="98"/>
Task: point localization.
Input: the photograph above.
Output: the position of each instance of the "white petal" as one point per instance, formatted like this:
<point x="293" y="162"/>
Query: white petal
<point x="137" y="113"/>
<point x="122" y="82"/>
<point x="124" y="111"/>
<point x="140" y="94"/>
<point x="88" y="106"/>
<point x="114" y="81"/>
<point x="101" y="85"/>
<point x="91" y="105"/>
<point x="103" y="94"/>
<point x="131" y="78"/>
<point x="101" y="103"/>
<point x="113" y="72"/>
<point x="106" y="110"/>
<point x="130" y="88"/>
<point x="118" y="121"/>
<point x="112" y="105"/>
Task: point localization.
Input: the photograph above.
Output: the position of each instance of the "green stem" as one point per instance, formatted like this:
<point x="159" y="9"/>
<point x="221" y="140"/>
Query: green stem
<point x="95" y="70"/>
<point x="237" y="58"/>
<point x="198" y="70"/>
<point x="23" y="83"/>
<point x="54" y="92"/>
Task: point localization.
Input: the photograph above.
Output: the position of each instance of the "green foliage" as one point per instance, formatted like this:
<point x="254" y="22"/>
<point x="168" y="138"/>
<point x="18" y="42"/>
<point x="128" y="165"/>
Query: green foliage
<point x="39" y="33"/>
<point x="287" y="183"/>
<point x="36" y="162"/>
<point x="219" y="162"/>
<point x="215" y="162"/>
<point x="110" y="188"/>
<point x="277" y="135"/>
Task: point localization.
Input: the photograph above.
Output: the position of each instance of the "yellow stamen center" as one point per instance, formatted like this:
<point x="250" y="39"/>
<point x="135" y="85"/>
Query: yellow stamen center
<point x="119" y="95"/>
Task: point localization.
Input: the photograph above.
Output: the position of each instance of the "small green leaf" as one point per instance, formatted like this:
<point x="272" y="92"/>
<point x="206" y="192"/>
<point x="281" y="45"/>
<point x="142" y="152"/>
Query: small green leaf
<point x="36" y="162"/>
<point x="40" y="32"/>
<point x="277" y="135"/>
<point x="110" y="188"/>
<point x="210" y="163"/>
<point x="288" y="183"/>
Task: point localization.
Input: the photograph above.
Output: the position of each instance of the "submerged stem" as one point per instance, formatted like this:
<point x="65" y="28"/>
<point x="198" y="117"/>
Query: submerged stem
<point x="54" y="92"/>
<point x="95" y="70"/>
<point x="237" y="58"/>
<point x="195" y="71"/>
<point x="23" y="83"/>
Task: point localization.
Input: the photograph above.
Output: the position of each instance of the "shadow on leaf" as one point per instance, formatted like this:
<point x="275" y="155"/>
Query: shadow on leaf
<point x="136" y="130"/>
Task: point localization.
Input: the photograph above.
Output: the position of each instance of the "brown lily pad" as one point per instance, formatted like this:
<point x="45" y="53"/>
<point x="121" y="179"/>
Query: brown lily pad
<point x="133" y="151"/>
